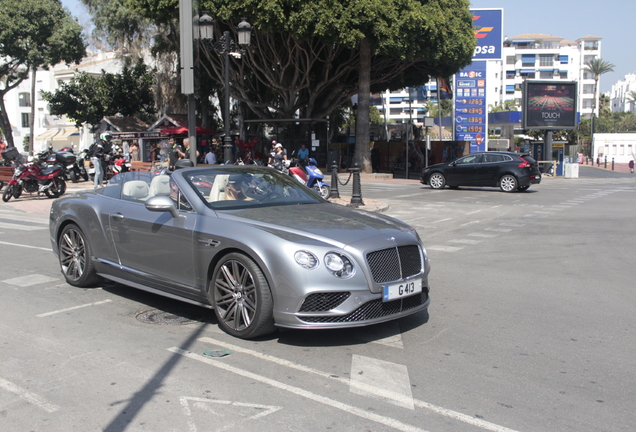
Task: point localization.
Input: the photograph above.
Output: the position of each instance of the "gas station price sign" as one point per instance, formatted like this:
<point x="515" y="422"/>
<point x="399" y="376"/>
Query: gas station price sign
<point x="470" y="105"/>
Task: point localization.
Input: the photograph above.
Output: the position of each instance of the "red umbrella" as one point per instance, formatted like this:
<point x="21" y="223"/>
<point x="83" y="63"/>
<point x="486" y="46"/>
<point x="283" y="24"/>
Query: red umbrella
<point x="182" y="130"/>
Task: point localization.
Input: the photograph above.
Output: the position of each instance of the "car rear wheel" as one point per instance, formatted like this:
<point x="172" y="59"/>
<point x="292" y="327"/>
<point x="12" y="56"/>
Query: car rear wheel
<point x="241" y="297"/>
<point x="437" y="181"/>
<point x="74" y="253"/>
<point x="508" y="183"/>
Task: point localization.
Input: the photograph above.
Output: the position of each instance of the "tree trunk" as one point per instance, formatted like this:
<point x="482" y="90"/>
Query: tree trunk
<point x="5" y="124"/>
<point x="32" y="119"/>
<point x="363" y="152"/>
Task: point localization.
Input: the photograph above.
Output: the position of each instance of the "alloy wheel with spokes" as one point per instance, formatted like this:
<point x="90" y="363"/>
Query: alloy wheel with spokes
<point x="74" y="255"/>
<point x="437" y="181"/>
<point x="508" y="183"/>
<point x="241" y="298"/>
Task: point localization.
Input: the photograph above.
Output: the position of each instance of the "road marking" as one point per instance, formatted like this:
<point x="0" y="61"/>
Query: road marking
<point x="204" y="403"/>
<point x="387" y="334"/>
<point x="373" y="378"/>
<point x="421" y="404"/>
<point x="484" y="235"/>
<point x="465" y="241"/>
<point x="473" y="212"/>
<point x="19" y="227"/>
<point x="28" y="396"/>
<point x="470" y="223"/>
<point x="443" y="248"/>
<point x="72" y="308"/>
<point x="25" y="246"/>
<point x="443" y="220"/>
<point x="510" y="224"/>
<point x="28" y="280"/>
<point x="387" y="421"/>
<point x="407" y="196"/>
<point x="503" y="230"/>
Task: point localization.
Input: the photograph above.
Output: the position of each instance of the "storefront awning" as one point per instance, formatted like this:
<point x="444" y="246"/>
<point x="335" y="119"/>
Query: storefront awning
<point x="47" y="135"/>
<point x="65" y="133"/>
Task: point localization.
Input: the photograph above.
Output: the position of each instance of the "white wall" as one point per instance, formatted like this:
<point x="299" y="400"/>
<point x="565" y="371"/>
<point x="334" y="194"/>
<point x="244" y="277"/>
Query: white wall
<point x="620" y="146"/>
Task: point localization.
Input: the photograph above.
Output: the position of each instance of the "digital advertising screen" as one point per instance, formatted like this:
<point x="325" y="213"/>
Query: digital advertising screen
<point x="549" y="104"/>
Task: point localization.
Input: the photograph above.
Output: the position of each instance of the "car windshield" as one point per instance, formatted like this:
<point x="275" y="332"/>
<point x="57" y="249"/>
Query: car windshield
<point x="246" y="187"/>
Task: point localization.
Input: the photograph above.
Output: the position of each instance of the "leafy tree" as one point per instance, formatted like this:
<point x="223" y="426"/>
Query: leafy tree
<point x="508" y="105"/>
<point x="34" y="34"/>
<point x="87" y="99"/>
<point x="309" y="57"/>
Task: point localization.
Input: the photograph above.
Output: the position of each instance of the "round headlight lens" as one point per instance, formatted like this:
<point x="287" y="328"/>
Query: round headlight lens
<point x="339" y="265"/>
<point x="306" y="259"/>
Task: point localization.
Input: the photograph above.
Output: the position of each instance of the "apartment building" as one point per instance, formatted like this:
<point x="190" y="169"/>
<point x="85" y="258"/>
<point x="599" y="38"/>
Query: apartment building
<point x="543" y="57"/>
<point x="48" y="129"/>
<point x="620" y="95"/>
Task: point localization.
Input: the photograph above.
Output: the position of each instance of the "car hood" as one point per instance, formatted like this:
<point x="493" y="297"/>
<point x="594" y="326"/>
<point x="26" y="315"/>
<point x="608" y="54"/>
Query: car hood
<point x="331" y="223"/>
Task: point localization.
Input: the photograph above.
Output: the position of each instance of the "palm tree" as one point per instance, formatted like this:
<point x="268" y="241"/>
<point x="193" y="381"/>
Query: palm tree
<point x="597" y="67"/>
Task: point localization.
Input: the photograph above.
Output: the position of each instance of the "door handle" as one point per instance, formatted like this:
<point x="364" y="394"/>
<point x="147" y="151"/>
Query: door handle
<point x="117" y="216"/>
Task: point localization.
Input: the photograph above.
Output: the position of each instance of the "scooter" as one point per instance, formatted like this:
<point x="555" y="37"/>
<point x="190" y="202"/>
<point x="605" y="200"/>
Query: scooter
<point x="311" y="177"/>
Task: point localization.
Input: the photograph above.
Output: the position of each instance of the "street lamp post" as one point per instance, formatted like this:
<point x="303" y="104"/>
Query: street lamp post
<point x="224" y="47"/>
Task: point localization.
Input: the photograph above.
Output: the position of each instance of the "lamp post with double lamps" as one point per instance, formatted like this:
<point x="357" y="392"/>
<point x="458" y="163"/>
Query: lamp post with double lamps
<point x="224" y="47"/>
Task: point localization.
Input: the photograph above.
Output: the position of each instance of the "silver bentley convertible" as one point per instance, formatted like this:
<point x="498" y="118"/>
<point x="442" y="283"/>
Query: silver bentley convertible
<point x="257" y="247"/>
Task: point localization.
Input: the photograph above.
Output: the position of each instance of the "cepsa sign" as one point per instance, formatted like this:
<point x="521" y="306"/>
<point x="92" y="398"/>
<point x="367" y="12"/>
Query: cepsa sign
<point x="488" y="25"/>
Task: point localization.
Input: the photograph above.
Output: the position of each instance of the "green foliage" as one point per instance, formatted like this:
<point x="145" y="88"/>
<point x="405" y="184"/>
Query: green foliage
<point x="508" y="105"/>
<point x="446" y="106"/>
<point x="87" y="99"/>
<point x="34" y="34"/>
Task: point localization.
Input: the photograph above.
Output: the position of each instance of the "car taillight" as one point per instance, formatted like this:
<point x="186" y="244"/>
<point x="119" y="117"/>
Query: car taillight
<point x="524" y="164"/>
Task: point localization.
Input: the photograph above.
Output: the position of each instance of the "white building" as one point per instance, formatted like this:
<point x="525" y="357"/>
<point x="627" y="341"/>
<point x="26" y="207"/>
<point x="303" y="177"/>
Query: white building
<point x="620" y="100"/>
<point x="52" y="130"/>
<point x="543" y="57"/>
<point x="620" y="147"/>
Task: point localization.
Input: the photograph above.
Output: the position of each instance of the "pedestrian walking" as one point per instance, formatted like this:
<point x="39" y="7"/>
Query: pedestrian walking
<point x="96" y="154"/>
<point x="631" y="166"/>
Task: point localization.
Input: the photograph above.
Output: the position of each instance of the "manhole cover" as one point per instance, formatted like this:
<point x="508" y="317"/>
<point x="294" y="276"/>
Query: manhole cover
<point x="155" y="316"/>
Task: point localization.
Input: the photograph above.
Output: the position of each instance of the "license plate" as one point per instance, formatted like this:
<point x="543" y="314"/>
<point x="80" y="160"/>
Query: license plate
<point x="402" y="289"/>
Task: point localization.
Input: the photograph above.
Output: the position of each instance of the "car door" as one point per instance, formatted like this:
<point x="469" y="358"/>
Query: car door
<point x="487" y="173"/>
<point x="155" y="246"/>
<point x="462" y="172"/>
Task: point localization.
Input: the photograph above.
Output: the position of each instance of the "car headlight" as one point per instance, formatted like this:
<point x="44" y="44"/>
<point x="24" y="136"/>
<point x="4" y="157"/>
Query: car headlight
<point x="306" y="259"/>
<point x="339" y="265"/>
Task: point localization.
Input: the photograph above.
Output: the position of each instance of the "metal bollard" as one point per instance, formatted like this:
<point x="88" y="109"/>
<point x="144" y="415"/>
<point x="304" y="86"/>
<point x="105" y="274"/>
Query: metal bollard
<point x="356" y="195"/>
<point x="612" y="164"/>
<point x="335" y="193"/>
<point x="605" y="163"/>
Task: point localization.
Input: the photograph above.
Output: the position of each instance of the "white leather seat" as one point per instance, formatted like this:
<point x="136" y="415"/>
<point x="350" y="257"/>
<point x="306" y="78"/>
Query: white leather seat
<point x="136" y="189"/>
<point x="160" y="185"/>
<point x="217" y="193"/>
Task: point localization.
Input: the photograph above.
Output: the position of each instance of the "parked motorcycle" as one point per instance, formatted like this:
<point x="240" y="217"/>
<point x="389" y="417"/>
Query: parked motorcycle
<point x="311" y="177"/>
<point x="31" y="177"/>
<point x="64" y="158"/>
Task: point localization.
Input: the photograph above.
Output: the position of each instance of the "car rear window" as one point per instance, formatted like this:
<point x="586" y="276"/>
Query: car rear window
<point x="528" y="159"/>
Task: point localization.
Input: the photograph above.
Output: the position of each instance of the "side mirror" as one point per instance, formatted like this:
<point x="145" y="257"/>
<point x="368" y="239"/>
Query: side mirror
<point x="162" y="203"/>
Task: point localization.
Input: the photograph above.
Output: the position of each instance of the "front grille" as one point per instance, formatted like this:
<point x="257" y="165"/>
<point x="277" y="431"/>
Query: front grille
<point x="321" y="302"/>
<point x="373" y="309"/>
<point x="394" y="263"/>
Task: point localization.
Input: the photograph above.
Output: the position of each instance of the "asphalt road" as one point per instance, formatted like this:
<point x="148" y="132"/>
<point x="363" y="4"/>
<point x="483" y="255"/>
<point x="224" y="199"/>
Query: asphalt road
<point x="530" y="329"/>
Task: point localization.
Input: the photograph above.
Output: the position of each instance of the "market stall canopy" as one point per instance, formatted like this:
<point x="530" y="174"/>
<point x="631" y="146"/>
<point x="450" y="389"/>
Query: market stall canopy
<point x="182" y="130"/>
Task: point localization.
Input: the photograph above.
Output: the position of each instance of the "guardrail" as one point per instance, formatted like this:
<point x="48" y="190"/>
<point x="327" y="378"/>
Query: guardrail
<point x="553" y="170"/>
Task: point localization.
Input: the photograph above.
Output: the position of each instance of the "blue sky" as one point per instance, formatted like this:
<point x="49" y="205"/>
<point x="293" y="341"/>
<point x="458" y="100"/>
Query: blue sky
<point x="613" y="20"/>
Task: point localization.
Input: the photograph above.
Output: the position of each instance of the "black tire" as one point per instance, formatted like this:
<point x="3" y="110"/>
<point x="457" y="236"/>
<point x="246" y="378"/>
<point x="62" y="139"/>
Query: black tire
<point x="523" y="188"/>
<point x="324" y="191"/>
<point x="57" y="188"/>
<point x="437" y="180"/>
<point x="17" y="191"/>
<point x="74" y="253"/>
<point x="1" y="184"/>
<point x="508" y="183"/>
<point x="8" y="193"/>
<point x="85" y="175"/>
<point x="241" y="297"/>
<point x="72" y="175"/>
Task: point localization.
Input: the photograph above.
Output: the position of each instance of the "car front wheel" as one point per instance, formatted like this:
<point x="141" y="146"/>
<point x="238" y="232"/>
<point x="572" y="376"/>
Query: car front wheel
<point x="241" y="297"/>
<point x="437" y="181"/>
<point x="508" y="183"/>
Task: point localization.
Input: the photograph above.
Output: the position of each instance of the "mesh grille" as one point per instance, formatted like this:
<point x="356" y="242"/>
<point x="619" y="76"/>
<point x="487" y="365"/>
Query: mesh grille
<point x="394" y="263"/>
<point x="321" y="302"/>
<point x="373" y="309"/>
